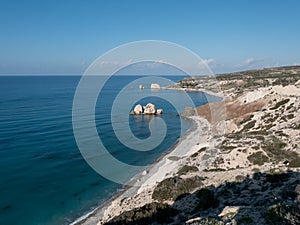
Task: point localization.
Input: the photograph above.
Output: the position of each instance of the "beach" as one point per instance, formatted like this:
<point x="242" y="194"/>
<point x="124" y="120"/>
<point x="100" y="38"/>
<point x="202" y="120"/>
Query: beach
<point x="143" y="184"/>
<point x="243" y="159"/>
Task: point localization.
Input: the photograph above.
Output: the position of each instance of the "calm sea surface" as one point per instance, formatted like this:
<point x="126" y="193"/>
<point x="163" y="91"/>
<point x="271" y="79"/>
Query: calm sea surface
<point x="43" y="177"/>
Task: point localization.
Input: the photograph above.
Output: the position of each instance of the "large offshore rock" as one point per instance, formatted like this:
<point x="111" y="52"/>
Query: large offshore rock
<point x="150" y="109"/>
<point x="138" y="109"/>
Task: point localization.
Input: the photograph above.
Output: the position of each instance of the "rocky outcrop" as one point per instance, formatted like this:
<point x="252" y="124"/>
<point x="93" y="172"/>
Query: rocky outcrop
<point x="149" y="109"/>
<point x="138" y="109"/>
<point x="159" y="111"/>
<point x="155" y="86"/>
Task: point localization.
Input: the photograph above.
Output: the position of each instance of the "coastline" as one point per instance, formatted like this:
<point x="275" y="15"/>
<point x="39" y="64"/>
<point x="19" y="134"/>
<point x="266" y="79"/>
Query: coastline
<point x="223" y="162"/>
<point x="217" y="94"/>
<point x="141" y="182"/>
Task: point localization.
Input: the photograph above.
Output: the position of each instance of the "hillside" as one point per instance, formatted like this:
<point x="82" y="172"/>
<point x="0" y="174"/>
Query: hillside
<point x="244" y="169"/>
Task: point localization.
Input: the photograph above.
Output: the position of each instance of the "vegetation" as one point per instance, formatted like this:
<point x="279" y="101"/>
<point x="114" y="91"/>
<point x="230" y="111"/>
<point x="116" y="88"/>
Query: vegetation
<point x="258" y="158"/>
<point x="247" y="119"/>
<point x="206" y="199"/>
<point x="198" y="152"/>
<point x="278" y="104"/>
<point x="171" y="188"/>
<point x="187" y="169"/>
<point x="150" y="213"/>
<point x="249" y="125"/>
<point x="283" y="214"/>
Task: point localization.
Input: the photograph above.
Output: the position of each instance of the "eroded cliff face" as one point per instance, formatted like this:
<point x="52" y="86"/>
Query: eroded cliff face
<point x="248" y="175"/>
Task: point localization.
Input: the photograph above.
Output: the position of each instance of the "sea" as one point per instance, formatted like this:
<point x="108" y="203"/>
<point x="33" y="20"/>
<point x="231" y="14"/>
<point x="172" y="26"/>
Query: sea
<point x="44" y="179"/>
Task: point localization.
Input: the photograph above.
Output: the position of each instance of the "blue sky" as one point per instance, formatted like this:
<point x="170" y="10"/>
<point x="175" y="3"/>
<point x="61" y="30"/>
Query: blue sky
<point x="64" y="37"/>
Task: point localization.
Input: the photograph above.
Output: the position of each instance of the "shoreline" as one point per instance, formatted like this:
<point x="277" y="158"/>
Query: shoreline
<point x="131" y="188"/>
<point x="216" y="94"/>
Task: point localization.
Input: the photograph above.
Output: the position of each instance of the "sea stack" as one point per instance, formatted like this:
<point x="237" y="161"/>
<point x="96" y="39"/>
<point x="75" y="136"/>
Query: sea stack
<point x="149" y="109"/>
<point x="155" y="86"/>
<point x="138" y="109"/>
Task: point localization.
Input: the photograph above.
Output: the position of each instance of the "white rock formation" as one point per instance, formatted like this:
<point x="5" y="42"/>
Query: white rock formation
<point x="138" y="109"/>
<point x="150" y="109"/>
<point x="233" y="210"/>
<point x="155" y="86"/>
<point x="159" y="111"/>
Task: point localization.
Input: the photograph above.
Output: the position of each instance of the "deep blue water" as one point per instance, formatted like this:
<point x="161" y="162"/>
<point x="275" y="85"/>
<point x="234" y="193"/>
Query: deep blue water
<point x="43" y="176"/>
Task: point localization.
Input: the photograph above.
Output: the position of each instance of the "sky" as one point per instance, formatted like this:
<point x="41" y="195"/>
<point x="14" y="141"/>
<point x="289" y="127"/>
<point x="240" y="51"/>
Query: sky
<point x="54" y="37"/>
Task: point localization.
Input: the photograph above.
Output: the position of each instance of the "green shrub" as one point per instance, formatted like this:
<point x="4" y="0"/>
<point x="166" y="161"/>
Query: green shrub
<point x="278" y="104"/>
<point x="187" y="169"/>
<point x="258" y="158"/>
<point x="282" y="214"/>
<point x="295" y="162"/>
<point x="249" y="125"/>
<point x="171" y="188"/>
<point x="206" y="199"/>
<point x="148" y="214"/>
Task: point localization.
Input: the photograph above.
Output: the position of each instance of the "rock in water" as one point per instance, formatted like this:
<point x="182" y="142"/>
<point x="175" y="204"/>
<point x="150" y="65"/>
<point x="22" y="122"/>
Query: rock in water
<point x="138" y="109"/>
<point x="159" y="111"/>
<point x="149" y="109"/>
<point x="155" y="86"/>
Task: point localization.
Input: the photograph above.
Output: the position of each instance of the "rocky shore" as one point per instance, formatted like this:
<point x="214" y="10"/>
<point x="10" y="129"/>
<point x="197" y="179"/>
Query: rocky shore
<point x="248" y="174"/>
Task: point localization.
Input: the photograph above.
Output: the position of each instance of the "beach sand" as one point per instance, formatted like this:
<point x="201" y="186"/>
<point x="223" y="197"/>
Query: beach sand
<point x="142" y="187"/>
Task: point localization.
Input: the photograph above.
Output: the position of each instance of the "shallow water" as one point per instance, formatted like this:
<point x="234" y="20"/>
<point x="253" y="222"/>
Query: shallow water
<point x="43" y="177"/>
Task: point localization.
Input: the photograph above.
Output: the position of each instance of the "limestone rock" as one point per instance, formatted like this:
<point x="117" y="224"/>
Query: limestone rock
<point x="229" y="210"/>
<point x="138" y="109"/>
<point x="159" y="111"/>
<point x="155" y="86"/>
<point x="150" y="109"/>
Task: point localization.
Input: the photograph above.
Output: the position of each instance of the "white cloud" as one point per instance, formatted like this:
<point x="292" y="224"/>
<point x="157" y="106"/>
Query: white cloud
<point x="209" y="61"/>
<point x="249" y="62"/>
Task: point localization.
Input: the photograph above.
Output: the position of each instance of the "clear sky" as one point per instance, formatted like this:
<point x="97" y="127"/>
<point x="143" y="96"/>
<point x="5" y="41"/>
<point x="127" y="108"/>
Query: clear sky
<point x="65" y="36"/>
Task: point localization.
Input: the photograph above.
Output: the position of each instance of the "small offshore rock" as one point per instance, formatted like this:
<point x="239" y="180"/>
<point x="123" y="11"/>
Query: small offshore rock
<point x="155" y="86"/>
<point x="159" y="111"/>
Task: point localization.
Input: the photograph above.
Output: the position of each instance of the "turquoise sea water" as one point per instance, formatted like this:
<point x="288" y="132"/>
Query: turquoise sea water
<point x="43" y="177"/>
